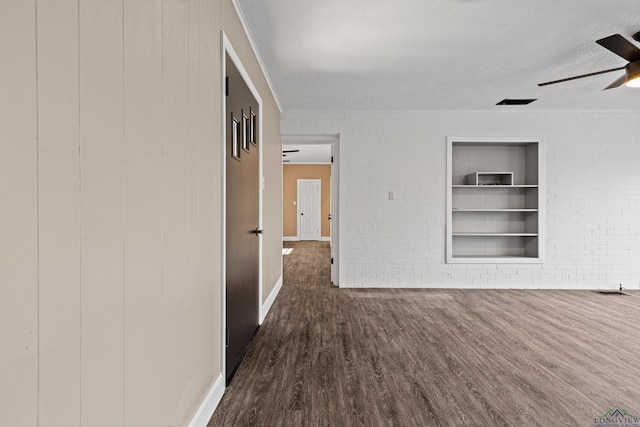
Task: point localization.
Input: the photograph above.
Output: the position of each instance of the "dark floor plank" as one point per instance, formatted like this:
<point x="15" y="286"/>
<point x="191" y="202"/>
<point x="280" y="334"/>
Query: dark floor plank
<point x="411" y="357"/>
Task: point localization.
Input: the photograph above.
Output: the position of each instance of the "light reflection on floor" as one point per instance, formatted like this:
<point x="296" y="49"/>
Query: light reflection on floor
<point x="286" y="251"/>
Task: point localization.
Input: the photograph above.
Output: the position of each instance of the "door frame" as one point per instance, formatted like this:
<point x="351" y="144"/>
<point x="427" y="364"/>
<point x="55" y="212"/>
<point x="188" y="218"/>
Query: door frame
<point x="227" y="49"/>
<point x="318" y="207"/>
<point x="334" y="141"/>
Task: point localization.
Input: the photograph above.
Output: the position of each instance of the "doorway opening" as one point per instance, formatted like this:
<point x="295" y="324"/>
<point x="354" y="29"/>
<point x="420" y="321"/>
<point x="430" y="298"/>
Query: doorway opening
<point x="309" y="152"/>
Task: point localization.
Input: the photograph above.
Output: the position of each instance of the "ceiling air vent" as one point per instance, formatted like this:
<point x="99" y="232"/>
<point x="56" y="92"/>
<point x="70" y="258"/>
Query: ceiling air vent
<point x="515" y="101"/>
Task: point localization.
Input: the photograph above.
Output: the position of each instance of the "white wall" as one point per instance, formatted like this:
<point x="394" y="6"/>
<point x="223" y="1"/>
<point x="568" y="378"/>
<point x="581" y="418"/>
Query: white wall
<point x="593" y="197"/>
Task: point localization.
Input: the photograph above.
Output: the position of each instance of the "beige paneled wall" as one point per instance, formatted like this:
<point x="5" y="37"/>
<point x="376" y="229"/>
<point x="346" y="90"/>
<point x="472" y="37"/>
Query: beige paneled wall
<point x="144" y="140"/>
<point x="59" y="208"/>
<point x="101" y="212"/>
<point x="272" y="246"/>
<point x="110" y="214"/>
<point x="18" y="215"/>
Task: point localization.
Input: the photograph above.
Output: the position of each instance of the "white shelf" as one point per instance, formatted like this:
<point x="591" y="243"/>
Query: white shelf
<point x="495" y="186"/>
<point x="493" y="256"/>
<point x="489" y="259"/>
<point x="485" y="234"/>
<point x="492" y="210"/>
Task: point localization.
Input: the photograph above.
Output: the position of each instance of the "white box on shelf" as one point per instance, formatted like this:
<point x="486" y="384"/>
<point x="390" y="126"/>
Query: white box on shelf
<point x="489" y="178"/>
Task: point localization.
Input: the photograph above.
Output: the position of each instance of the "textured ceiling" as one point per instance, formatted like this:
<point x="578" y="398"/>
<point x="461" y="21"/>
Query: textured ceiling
<point x="440" y="54"/>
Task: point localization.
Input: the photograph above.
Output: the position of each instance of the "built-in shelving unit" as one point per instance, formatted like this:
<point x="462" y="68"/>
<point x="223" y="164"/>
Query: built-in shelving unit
<point x="494" y="217"/>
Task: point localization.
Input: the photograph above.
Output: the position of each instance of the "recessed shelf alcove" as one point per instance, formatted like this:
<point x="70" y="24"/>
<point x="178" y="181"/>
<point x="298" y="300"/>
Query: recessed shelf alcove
<point x="495" y="206"/>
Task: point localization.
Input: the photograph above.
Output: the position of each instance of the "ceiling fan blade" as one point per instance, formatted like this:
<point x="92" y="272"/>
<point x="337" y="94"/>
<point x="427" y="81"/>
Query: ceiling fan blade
<point x="290" y="151"/>
<point x="619" y="81"/>
<point x="580" y="76"/>
<point x="621" y="47"/>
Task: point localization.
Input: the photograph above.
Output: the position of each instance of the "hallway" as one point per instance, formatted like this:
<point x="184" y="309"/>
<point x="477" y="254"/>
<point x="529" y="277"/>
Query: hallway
<point x="416" y="357"/>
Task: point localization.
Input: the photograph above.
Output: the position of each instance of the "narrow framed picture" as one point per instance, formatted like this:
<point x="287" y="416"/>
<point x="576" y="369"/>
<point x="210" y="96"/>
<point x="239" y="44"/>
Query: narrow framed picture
<point x="245" y="132"/>
<point x="253" y="127"/>
<point x="235" y="137"/>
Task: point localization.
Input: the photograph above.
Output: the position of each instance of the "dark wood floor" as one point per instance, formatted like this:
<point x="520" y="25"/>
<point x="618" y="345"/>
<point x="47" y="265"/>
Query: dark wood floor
<point x="335" y="357"/>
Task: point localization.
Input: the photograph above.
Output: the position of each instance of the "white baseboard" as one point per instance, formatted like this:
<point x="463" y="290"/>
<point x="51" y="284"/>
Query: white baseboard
<point x="295" y="239"/>
<point x="264" y="309"/>
<point x="209" y="404"/>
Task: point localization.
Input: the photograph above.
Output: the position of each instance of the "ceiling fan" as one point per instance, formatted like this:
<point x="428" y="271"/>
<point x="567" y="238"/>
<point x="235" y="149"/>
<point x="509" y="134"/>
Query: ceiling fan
<point x="621" y="47"/>
<point x="288" y="151"/>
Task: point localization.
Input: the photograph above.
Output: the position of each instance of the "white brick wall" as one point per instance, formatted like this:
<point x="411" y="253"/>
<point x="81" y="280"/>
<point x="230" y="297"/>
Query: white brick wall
<point x="592" y="162"/>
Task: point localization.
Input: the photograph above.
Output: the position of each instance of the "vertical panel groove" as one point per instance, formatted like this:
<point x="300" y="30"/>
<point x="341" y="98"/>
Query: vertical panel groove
<point x="162" y="142"/>
<point x="163" y="124"/>
<point x="37" y="165"/>
<point x="123" y="224"/>
<point x="80" y="346"/>
<point x="124" y="216"/>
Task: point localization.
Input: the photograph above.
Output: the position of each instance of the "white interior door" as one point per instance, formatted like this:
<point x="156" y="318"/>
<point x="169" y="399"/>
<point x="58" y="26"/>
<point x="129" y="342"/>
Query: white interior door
<point x="309" y="208"/>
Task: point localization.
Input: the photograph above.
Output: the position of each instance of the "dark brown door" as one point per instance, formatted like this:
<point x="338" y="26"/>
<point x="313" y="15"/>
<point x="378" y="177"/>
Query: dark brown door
<point x="242" y="218"/>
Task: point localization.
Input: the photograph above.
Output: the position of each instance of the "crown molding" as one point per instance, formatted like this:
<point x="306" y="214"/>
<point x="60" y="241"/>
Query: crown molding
<point x="247" y="31"/>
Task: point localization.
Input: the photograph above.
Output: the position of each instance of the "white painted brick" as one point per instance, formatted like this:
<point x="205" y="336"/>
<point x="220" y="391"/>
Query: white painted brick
<point x="592" y="197"/>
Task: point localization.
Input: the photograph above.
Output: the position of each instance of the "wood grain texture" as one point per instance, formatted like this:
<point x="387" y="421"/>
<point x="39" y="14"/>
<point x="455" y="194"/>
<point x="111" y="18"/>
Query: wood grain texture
<point x="397" y="357"/>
